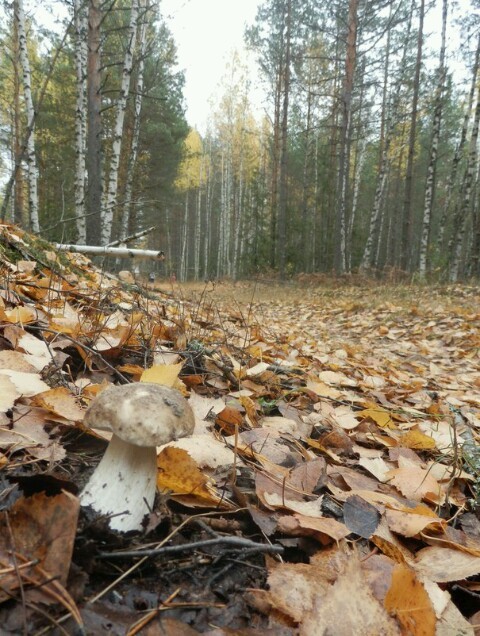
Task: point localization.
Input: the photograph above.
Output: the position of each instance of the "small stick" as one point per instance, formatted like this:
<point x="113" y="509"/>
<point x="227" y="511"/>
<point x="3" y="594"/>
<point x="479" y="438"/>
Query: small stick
<point x="237" y="542"/>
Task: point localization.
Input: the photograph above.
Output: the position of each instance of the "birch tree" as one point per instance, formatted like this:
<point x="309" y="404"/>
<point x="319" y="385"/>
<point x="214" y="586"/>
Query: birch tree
<point x="407" y="220"/>
<point x="94" y="130"/>
<point x="459" y="150"/>
<point x="81" y="54"/>
<point x="32" y="170"/>
<point x="344" y="151"/>
<point x="137" y="111"/>
<point x="432" y="164"/>
<point x="461" y="217"/>
<point x="111" y="197"/>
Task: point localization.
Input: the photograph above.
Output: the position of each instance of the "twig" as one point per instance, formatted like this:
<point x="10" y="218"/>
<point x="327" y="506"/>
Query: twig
<point x="138" y="563"/>
<point x="140" y="624"/>
<point x="97" y="354"/>
<point x="237" y="542"/>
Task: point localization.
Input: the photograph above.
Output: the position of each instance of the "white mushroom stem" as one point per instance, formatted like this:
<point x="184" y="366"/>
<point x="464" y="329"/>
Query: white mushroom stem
<point x="123" y="484"/>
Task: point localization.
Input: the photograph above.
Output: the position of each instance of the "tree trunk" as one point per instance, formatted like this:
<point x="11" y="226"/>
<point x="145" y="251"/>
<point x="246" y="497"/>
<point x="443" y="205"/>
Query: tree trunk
<point x="20" y="211"/>
<point x="432" y="164"/>
<point x="459" y="151"/>
<point x="407" y="222"/>
<point x="132" y="160"/>
<point x="94" y="138"/>
<point x="282" y="198"/>
<point x="183" y="262"/>
<point x="111" y="199"/>
<point x="27" y="90"/>
<point x="460" y="221"/>
<point x="344" y="151"/>
<point x="81" y="55"/>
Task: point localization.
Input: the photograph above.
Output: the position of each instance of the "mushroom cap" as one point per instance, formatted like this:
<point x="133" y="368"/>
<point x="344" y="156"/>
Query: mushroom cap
<point x="142" y="413"/>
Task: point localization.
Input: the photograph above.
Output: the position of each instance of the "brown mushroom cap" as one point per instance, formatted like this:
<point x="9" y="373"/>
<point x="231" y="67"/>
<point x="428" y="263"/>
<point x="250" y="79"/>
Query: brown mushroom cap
<point x="142" y="413"/>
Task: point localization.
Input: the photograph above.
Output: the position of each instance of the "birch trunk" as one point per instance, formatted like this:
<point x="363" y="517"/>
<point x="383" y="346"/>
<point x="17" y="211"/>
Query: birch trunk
<point x="94" y="131"/>
<point x="183" y="262"/>
<point x="459" y="151"/>
<point x="407" y="222"/>
<point x="282" y="199"/>
<point x="27" y="90"/>
<point x="207" y="231"/>
<point x="432" y="164"/>
<point x="20" y="211"/>
<point x="344" y="159"/>
<point x="132" y="161"/>
<point x="81" y="54"/>
<point x="111" y="198"/>
<point x="460" y="221"/>
<point x="198" y="221"/>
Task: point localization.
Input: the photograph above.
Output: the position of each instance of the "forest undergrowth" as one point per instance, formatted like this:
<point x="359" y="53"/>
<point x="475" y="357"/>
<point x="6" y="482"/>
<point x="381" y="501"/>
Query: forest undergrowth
<point x="334" y="464"/>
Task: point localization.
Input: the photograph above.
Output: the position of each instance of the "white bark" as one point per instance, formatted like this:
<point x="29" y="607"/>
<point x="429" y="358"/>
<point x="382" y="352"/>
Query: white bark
<point x="432" y="164"/>
<point x="142" y="47"/>
<point x="183" y="262"/>
<point x="373" y="231"/>
<point x="198" y="220"/>
<point x="459" y="150"/>
<point x="81" y="53"/>
<point x="111" y="251"/>
<point x="111" y="197"/>
<point x="27" y="89"/>
<point x="461" y="217"/>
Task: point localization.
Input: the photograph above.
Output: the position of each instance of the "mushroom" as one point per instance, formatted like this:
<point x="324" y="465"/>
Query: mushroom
<point x="141" y="416"/>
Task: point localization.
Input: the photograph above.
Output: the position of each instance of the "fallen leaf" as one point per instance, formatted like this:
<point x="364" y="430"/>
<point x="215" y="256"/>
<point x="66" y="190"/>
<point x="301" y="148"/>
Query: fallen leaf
<point x="348" y="607"/>
<point x="178" y="473"/>
<point x="61" y="402"/>
<point x="324" y="529"/>
<point x="26" y="384"/>
<point x="412" y="481"/>
<point x="408" y="601"/>
<point x="416" y="440"/>
<point x="166" y="374"/>
<point x="443" y="565"/>
<point x="360" y="517"/>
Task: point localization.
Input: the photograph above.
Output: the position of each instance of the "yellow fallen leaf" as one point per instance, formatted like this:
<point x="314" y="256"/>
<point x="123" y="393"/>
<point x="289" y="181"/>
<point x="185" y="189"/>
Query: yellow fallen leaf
<point x="179" y="473"/>
<point x="166" y="374"/>
<point x="409" y="602"/>
<point x="378" y="415"/>
<point x="417" y="440"/>
<point x="20" y="315"/>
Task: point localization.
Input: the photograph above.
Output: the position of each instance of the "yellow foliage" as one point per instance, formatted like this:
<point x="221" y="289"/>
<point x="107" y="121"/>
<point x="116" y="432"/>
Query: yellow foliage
<point x="192" y="172"/>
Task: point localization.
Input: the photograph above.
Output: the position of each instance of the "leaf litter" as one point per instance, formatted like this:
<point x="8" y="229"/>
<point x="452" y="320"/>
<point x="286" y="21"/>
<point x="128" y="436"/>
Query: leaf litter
<point x="332" y="483"/>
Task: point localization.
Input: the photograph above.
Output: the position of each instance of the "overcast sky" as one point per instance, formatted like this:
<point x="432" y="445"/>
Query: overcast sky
<point x="206" y="32"/>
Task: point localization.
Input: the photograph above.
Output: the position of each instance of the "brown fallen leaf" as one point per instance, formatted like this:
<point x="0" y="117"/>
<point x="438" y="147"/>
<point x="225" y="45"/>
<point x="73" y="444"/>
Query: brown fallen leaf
<point x="60" y="401"/>
<point x="444" y="565"/>
<point x="408" y="601"/>
<point x="348" y="607"/>
<point x="40" y="528"/>
<point x="412" y="481"/>
<point x="410" y="523"/>
<point x="324" y="529"/>
<point x="294" y="588"/>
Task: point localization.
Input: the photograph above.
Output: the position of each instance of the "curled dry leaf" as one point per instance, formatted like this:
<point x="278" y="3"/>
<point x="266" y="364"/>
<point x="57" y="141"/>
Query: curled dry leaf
<point x="179" y="474"/>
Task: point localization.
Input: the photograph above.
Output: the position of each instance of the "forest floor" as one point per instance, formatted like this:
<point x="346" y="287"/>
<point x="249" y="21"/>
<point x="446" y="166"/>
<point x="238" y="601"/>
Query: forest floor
<point x="332" y="483"/>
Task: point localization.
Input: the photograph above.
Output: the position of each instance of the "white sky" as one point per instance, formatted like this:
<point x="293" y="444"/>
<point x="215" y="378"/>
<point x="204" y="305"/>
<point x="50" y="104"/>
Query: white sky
<point x="206" y="32"/>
